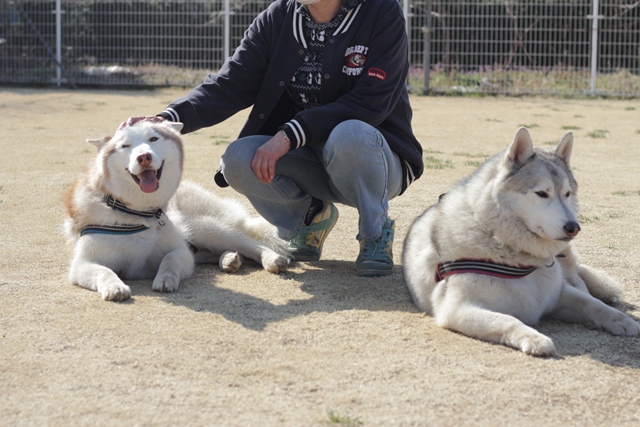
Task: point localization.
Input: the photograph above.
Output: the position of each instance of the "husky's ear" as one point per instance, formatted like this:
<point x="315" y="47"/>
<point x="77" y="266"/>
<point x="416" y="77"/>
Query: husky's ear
<point x="521" y="148"/>
<point x="98" y="143"/>
<point x="177" y="126"/>
<point x="564" y="147"/>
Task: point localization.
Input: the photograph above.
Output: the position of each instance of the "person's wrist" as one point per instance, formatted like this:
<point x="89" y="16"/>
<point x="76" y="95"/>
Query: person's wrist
<point x="285" y="137"/>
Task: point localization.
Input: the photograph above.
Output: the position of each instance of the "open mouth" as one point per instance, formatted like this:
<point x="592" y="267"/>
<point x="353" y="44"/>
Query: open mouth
<point x="148" y="180"/>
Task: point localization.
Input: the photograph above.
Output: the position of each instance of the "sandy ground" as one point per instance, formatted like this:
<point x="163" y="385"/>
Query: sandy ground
<point x="317" y="345"/>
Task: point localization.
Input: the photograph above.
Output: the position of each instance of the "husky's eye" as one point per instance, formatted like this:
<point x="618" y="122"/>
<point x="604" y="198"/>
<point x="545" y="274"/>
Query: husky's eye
<point x="153" y="139"/>
<point x="125" y="146"/>
<point x="542" y="194"/>
<point x="568" y="194"/>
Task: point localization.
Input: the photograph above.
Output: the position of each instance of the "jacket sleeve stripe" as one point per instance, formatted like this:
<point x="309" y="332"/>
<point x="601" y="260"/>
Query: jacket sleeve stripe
<point x="174" y="117"/>
<point x="298" y="133"/>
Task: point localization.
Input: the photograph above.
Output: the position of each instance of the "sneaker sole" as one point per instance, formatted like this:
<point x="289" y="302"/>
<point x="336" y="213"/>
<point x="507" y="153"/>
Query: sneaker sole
<point x="374" y="273"/>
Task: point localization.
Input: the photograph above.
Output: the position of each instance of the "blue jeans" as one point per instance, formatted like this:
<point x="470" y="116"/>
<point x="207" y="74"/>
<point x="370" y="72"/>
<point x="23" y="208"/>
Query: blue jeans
<point x="354" y="167"/>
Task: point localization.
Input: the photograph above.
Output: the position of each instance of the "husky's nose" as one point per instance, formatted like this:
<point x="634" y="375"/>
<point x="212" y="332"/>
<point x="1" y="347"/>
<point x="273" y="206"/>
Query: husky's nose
<point x="571" y="228"/>
<point x="144" y="160"/>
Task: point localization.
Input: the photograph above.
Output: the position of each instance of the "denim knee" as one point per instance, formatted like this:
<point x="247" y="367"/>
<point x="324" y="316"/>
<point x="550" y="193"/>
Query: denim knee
<point x="236" y="160"/>
<point x="347" y="140"/>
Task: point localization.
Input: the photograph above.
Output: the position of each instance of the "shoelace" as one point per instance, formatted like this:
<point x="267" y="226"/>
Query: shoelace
<point x="378" y="250"/>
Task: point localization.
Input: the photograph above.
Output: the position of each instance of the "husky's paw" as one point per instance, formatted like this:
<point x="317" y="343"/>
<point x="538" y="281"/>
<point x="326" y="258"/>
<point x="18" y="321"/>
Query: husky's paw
<point x="165" y="283"/>
<point x="115" y="292"/>
<point x="538" y="345"/>
<point x="230" y="262"/>
<point x="274" y="263"/>
<point x="623" y="325"/>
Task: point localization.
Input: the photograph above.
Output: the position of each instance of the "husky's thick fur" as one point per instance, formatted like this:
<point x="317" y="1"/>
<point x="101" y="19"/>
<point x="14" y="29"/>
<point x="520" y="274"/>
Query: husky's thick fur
<point x="130" y="218"/>
<point x="493" y="255"/>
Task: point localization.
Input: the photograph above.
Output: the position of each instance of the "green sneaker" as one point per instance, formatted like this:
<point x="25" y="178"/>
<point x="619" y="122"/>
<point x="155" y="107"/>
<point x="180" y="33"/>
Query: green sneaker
<point x="376" y="256"/>
<point x="307" y="246"/>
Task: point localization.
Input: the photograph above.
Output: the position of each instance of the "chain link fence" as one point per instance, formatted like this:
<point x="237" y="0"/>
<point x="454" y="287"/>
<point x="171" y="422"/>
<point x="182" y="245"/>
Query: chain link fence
<point x="565" y="47"/>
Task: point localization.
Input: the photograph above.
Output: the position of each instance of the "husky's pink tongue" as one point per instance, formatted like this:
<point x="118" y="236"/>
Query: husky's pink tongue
<point x="148" y="181"/>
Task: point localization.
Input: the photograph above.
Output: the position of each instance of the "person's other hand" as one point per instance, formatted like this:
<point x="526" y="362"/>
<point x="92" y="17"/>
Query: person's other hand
<point x="264" y="161"/>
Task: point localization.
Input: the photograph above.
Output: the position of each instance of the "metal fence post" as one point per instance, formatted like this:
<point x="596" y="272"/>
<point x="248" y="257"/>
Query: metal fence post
<point x="227" y="30"/>
<point x="58" y="12"/>
<point x="427" y="49"/>
<point x="595" y="17"/>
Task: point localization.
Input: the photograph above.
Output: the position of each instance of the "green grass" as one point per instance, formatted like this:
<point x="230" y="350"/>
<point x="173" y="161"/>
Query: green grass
<point x="598" y="134"/>
<point x="432" y="151"/>
<point x="562" y="81"/>
<point x="471" y="155"/>
<point x="587" y="220"/>
<point x="434" y="163"/>
<point x="341" y="420"/>
<point x="473" y="163"/>
<point x="571" y="128"/>
<point x="626" y="193"/>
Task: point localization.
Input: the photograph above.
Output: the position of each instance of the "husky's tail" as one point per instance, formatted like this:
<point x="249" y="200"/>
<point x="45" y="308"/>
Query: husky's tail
<point x="261" y="230"/>
<point x="600" y="284"/>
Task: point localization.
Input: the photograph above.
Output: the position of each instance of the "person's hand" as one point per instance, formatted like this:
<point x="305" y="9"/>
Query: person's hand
<point x="264" y="161"/>
<point x="133" y="120"/>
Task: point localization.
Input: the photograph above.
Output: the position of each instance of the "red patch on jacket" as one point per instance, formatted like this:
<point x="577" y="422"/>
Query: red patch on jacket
<point x="377" y="73"/>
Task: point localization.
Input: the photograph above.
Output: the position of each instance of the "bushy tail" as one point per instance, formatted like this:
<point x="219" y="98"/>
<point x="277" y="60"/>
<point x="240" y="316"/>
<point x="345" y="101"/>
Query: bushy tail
<point x="600" y="284"/>
<point x="261" y="230"/>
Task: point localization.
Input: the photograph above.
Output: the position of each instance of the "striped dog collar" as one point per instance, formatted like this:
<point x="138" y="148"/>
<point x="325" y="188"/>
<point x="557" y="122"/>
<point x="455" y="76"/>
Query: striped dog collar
<point x="481" y="266"/>
<point x="112" y="229"/>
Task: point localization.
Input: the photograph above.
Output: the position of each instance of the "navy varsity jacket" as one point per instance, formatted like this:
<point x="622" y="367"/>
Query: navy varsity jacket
<point x="364" y="78"/>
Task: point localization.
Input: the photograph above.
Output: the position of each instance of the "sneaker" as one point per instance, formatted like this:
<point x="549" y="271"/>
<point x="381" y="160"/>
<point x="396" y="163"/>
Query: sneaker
<point x="376" y="256"/>
<point x="307" y="246"/>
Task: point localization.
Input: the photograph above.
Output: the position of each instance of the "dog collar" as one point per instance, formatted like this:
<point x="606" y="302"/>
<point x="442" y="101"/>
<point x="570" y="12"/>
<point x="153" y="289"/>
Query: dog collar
<point x="481" y="266"/>
<point x="112" y="229"/>
<point x="118" y="205"/>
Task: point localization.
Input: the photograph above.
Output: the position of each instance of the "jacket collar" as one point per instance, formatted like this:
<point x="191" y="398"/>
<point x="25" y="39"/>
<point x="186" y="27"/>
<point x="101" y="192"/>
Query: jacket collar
<point x="349" y="11"/>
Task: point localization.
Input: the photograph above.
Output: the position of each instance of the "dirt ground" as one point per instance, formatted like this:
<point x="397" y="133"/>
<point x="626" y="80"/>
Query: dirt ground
<point x="317" y="345"/>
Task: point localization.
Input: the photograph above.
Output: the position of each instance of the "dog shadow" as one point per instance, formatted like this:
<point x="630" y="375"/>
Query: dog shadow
<point x="333" y="286"/>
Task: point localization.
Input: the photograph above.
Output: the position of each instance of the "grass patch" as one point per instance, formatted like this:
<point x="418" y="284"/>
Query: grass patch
<point x="341" y="420"/>
<point x="434" y="163"/>
<point x="598" y="134"/>
<point x="432" y="151"/>
<point x="530" y="126"/>
<point x="221" y="142"/>
<point x="587" y="220"/>
<point x="571" y="128"/>
<point x="474" y="163"/>
<point x="615" y="193"/>
<point x="630" y="109"/>
<point x="470" y="155"/>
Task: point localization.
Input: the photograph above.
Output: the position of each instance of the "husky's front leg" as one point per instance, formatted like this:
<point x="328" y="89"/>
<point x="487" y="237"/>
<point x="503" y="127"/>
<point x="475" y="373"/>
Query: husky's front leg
<point x="575" y="306"/>
<point x="495" y="327"/>
<point x="175" y="266"/>
<point x="96" y="277"/>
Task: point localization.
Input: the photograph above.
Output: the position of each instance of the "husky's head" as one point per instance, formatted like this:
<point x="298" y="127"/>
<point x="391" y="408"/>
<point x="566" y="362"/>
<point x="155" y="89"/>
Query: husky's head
<point x="141" y="164"/>
<point x="540" y="189"/>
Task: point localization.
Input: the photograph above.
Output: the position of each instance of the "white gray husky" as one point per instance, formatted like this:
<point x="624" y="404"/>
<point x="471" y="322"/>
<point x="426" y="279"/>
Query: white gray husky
<point x="130" y="218"/>
<point x="493" y="255"/>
